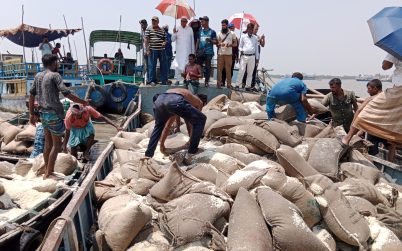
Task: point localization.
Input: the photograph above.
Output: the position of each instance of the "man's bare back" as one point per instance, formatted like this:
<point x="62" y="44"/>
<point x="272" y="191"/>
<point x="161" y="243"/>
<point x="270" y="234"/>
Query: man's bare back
<point x="192" y="99"/>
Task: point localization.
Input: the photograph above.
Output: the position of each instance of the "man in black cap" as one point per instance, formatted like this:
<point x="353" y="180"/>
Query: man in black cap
<point x="144" y="26"/>
<point x="205" y="47"/>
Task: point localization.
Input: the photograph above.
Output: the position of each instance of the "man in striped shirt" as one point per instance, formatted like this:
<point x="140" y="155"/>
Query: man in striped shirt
<point x="155" y="42"/>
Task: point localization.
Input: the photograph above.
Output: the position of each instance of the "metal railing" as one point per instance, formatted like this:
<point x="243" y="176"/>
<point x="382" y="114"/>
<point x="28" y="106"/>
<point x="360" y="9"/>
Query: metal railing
<point x="71" y="231"/>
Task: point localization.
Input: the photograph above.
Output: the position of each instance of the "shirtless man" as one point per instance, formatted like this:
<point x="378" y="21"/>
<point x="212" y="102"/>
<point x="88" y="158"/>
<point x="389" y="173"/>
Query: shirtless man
<point x="169" y="105"/>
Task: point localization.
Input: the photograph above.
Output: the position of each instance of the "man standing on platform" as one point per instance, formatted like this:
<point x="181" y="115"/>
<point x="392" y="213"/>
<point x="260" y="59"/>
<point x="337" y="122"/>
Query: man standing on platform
<point x="226" y="41"/>
<point x="184" y="38"/>
<point x="249" y="56"/>
<point x="235" y="55"/>
<point x="144" y="26"/>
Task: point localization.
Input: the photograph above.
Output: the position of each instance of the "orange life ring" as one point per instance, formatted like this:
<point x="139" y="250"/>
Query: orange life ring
<point x="106" y="61"/>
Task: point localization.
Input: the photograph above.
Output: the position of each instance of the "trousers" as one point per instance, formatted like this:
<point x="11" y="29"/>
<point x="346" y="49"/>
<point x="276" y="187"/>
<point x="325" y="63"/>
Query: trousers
<point x="225" y="64"/>
<point x="246" y="62"/>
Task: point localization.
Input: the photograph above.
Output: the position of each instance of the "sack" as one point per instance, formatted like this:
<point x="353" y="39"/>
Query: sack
<point x="293" y="163"/>
<point x="364" y="189"/>
<point x="135" y="137"/>
<point x="325" y="236"/>
<point x="384" y="239"/>
<point x="46" y="186"/>
<point x="391" y="218"/>
<point x="155" y="241"/>
<point x="307" y="130"/>
<point x="318" y="106"/>
<point x="203" y="171"/>
<point x="8" y="132"/>
<point x="238" y="109"/>
<point x="361" y="205"/>
<point x="256" y="136"/>
<point x="246" y="158"/>
<point x="141" y="186"/>
<point x="129" y="170"/>
<point x="105" y="190"/>
<point x="221" y="161"/>
<point x="174" y="184"/>
<point x="257" y="116"/>
<point x="283" y="133"/>
<point x="65" y="164"/>
<point x="216" y="103"/>
<point x="151" y="170"/>
<point x="212" y="117"/>
<point x="230" y="148"/>
<point x="124" y="144"/>
<point x="248" y="177"/>
<point x="6" y="202"/>
<point x="16" y="147"/>
<point x="247" y="227"/>
<point x="176" y="142"/>
<point x="146" y="118"/>
<point x="28" y="134"/>
<point x="121" y="218"/>
<point x="357" y="157"/>
<point x="359" y="171"/>
<point x="250" y="147"/>
<point x="6" y="169"/>
<point x="325" y="155"/>
<point x="245" y="97"/>
<point x="219" y="127"/>
<point x="254" y="107"/>
<point x="285" y="113"/>
<point x="305" y="147"/>
<point x="2" y="190"/>
<point x="183" y="224"/>
<point x="125" y="156"/>
<point x="327" y="132"/>
<point x="285" y="220"/>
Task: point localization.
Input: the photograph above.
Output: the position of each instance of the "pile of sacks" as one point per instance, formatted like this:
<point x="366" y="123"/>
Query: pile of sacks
<point x="254" y="185"/>
<point x="17" y="139"/>
<point x="22" y="187"/>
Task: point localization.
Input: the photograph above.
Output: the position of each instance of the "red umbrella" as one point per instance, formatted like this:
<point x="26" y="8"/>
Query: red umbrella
<point x="240" y="19"/>
<point x="176" y="9"/>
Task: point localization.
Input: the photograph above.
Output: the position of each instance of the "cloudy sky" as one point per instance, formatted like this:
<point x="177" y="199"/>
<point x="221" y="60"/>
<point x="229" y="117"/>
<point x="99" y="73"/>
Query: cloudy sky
<point x="313" y="36"/>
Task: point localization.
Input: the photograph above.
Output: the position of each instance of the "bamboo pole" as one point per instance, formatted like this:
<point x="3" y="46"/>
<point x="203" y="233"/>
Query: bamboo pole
<point x="68" y="38"/>
<point x="85" y="43"/>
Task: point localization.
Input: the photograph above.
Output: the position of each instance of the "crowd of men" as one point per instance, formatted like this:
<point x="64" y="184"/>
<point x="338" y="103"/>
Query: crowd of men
<point x="195" y="44"/>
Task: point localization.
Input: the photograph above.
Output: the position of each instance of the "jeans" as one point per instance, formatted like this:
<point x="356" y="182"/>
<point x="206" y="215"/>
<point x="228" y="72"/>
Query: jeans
<point x="205" y="59"/>
<point x="293" y="99"/>
<point x="192" y="86"/>
<point x="152" y="60"/>
<point x="168" y="105"/>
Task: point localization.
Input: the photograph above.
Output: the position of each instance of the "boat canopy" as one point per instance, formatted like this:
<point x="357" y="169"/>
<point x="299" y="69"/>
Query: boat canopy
<point x="126" y="37"/>
<point x="33" y="36"/>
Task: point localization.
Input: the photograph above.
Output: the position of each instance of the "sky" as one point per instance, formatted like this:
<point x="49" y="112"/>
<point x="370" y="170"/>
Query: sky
<point x="312" y="36"/>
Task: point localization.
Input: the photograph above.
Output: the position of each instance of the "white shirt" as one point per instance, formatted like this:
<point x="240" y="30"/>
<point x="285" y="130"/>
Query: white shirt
<point x="397" y="75"/>
<point x="228" y="41"/>
<point x="45" y="49"/>
<point x="249" y="45"/>
<point x="184" y="39"/>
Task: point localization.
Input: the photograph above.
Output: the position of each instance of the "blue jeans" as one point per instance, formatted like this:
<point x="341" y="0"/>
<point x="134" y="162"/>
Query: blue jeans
<point x="293" y="99"/>
<point x="168" y="105"/>
<point x="205" y="62"/>
<point x="152" y="60"/>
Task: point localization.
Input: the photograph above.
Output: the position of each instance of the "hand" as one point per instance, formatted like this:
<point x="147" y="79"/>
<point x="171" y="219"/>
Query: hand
<point x="208" y="39"/>
<point x="33" y="119"/>
<point x="164" y="44"/>
<point x="174" y="30"/>
<point x="263" y="36"/>
<point x="148" y="52"/>
<point x="162" y="149"/>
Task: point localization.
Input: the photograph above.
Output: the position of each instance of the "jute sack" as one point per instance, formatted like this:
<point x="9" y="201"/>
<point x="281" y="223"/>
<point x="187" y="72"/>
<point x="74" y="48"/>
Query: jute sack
<point x="176" y="142"/>
<point x="221" y="178"/>
<point x="105" y="190"/>
<point x="257" y="116"/>
<point x="6" y="202"/>
<point x="293" y="163"/>
<point x="203" y="171"/>
<point x="146" y="118"/>
<point x="285" y="113"/>
<point x="281" y="132"/>
<point x="156" y="241"/>
<point x="246" y="158"/>
<point x="229" y="148"/>
<point x="306" y="130"/>
<point x="250" y="147"/>
<point x="384" y="239"/>
<point x="212" y="117"/>
<point x="254" y="107"/>
<point x="218" y="128"/>
<point x="124" y="144"/>
<point x="129" y="170"/>
<point x="65" y="164"/>
<point x="219" y="160"/>
<point x="389" y="192"/>
<point x="248" y="177"/>
<point x="285" y="220"/>
<point x="294" y="191"/>
<point x="305" y="147"/>
<point x="141" y="186"/>
<point x="244" y="97"/>
<point x="216" y="103"/>
<point x="135" y="137"/>
<point x="361" y="205"/>
<point x="325" y="236"/>
<point x="327" y="132"/>
<point x="343" y="221"/>
<point x="358" y="157"/>
<point x="28" y="134"/>
<point x="256" y="136"/>
<point x="150" y="169"/>
<point x="124" y="156"/>
<point x="391" y="218"/>
<point x="318" y="106"/>
<point x="8" y="132"/>
<point x="16" y="147"/>
<point x="275" y="177"/>
<point x="121" y="218"/>
<point x="182" y="223"/>
<point x="46" y="186"/>
<point x="6" y="169"/>
<point x="23" y="166"/>
<point x="238" y="109"/>
<point x="2" y="190"/>
<point x="364" y="189"/>
<point x="247" y="227"/>
<point x="174" y="184"/>
<point x="147" y="127"/>
<point x="359" y="171"/>
<point x="325" y="155"/>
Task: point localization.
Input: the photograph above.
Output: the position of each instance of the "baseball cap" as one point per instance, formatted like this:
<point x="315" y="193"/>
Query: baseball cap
<point x="231" y="25"/>
<point x="205" y="18"/>
<point x="155" y="18"/>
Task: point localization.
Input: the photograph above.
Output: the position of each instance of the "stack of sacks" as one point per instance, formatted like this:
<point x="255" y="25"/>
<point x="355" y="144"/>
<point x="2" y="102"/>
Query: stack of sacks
<point x="16" y="140"/>
<point x="253" y="185"/>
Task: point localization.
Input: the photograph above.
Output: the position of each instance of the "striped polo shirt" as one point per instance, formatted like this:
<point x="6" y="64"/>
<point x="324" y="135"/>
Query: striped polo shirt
<point x="156" y="37"/>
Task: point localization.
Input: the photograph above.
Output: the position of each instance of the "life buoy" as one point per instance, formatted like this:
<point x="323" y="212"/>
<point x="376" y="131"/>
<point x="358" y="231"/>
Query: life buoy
<point x="123" y="90"/>
<point x="108" y="62"/>
<point x="100" y="99"/>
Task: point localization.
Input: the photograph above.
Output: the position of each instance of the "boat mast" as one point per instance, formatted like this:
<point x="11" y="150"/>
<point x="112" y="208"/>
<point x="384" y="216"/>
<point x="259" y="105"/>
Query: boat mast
<point x="119" y="44"/>
<point x="68" y="38"/>
<point x="85" y="43"/>
<point x="23" y="35"/>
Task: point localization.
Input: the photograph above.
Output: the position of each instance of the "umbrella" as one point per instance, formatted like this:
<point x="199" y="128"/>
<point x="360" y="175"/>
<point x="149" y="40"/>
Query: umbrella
<point x="386" y="29"/>
<point x="240" y="19"/>
<point x="176" y="9"/>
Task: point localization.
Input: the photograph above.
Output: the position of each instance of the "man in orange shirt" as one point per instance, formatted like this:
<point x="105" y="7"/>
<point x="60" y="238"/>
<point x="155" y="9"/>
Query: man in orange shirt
<point x="80" y="131"/>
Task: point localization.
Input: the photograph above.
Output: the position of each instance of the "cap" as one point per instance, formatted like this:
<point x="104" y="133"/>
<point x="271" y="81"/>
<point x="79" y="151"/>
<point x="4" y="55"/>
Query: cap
<point x="143" y="21"/>
<point x="155" y="18"/>
<point x="184" y="19"/>
<point x="205" y="18"/>
<point x="231" y="25"/>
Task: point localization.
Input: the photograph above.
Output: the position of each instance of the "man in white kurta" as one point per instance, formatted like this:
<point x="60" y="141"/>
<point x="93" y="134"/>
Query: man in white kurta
<point x="184" y="38"/>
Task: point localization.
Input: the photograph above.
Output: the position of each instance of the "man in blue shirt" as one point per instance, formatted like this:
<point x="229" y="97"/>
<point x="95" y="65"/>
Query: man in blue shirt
<point x="290" y="91"/>
<point x="205" y="47"/>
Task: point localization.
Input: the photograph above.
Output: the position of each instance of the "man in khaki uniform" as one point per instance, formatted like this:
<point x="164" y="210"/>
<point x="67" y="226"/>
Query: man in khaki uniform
<point x="226" y="41"/>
